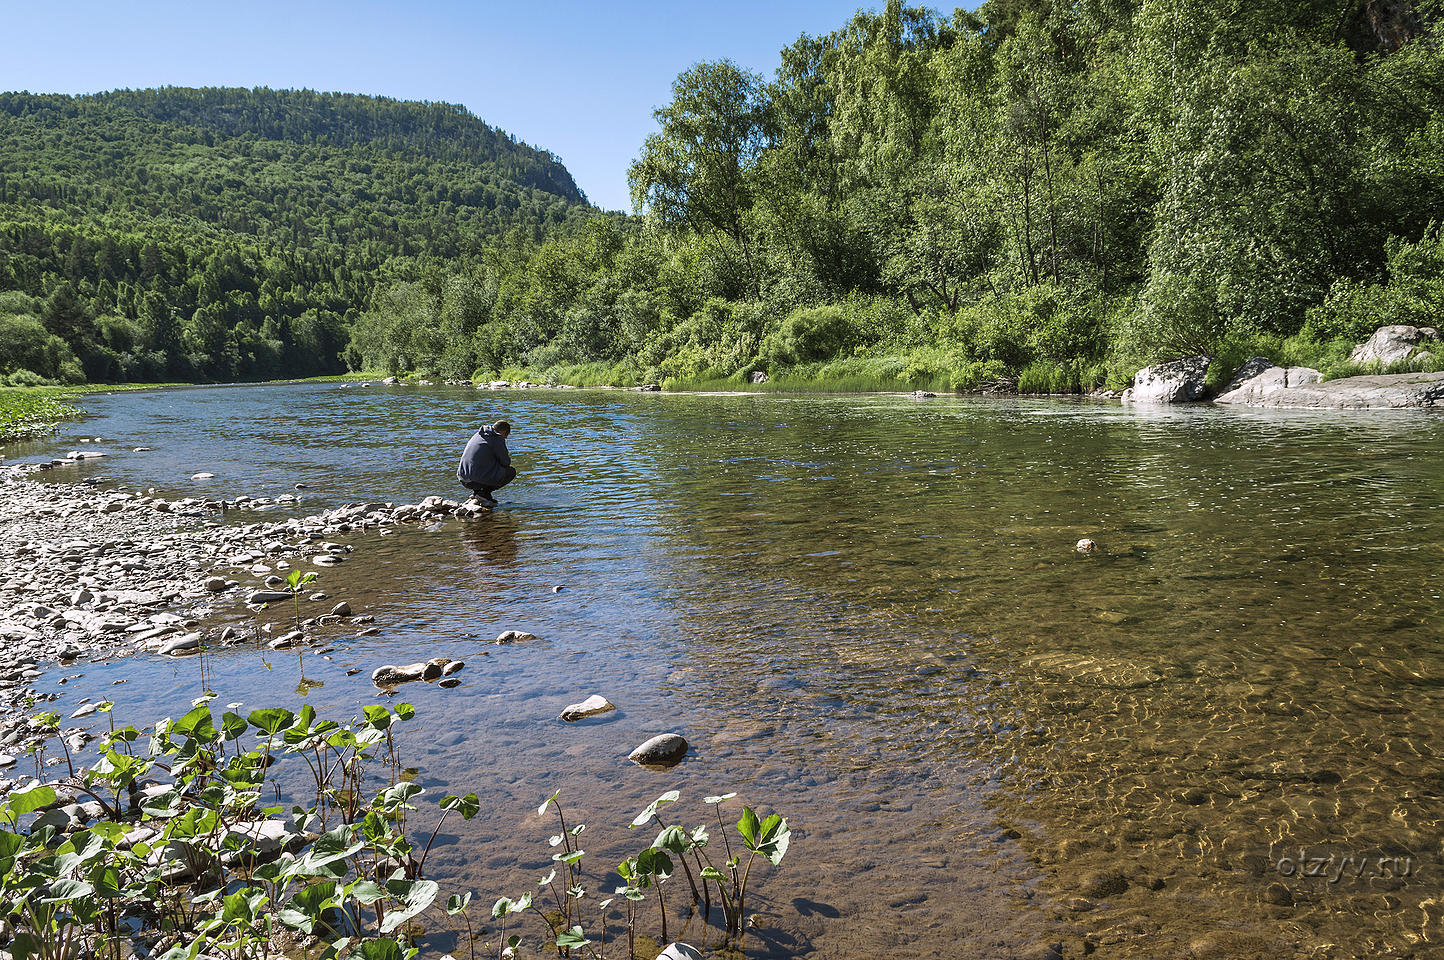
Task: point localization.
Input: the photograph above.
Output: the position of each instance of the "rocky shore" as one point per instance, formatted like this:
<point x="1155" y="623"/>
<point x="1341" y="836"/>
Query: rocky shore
<point x="1261" y="383"/>
<point x="91" y="573"/>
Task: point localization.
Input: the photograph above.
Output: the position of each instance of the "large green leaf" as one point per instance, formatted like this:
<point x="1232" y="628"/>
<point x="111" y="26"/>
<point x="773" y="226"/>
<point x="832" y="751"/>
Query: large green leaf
<point x="748" y="826"/>
<point x="31" y="798"/>
<point x="650" y="810"/>
<point x="232" y="725"/>
<point x="467" y="806"/>
<point x="381" y="950"/>
<point x="367" y="892"/>
<point x="303" y="911"/>
<point x="415" y="896"/>
<point x="571" y="939"/>
<point x="271" y="720"/>
<point x="63" y="891"/>
<point x="198" y="725"/>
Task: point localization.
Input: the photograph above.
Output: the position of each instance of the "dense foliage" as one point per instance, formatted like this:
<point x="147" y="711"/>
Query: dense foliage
<point x="1037" y="193"/>
<point x="1033" y="190"/>
<point x="225" y="233"/>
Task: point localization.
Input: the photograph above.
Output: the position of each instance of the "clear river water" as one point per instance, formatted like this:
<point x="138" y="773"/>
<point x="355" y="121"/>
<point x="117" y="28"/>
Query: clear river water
<point x="1219" y="737"/>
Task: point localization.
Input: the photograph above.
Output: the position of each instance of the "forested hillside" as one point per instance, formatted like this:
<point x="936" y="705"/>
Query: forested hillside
<point x="228" y="233"/>
<point x="1040" y="191"/>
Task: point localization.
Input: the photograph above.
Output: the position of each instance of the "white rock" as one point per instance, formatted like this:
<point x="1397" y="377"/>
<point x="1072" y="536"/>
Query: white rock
<point x="1393" y="343"/>
<point x="1258" y="381"/>
<point x="202" y="476"/>
<point x="679" y="951"/>
<point x="1177" y="381"/>
<point x="589" y="707"/>
<point x="181" y="644"/>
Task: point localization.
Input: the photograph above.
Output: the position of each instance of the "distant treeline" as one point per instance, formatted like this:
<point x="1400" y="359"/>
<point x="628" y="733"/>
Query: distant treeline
<point x="1040" y="193"/>
<point x="234" y="234"/>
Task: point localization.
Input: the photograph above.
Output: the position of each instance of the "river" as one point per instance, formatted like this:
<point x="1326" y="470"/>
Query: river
<point x="867" y="614"/>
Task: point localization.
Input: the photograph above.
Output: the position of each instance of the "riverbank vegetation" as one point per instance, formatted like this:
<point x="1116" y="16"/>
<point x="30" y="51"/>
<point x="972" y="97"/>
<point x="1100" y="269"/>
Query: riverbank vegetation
<point x="1031" y="195"/>
<point x="279" y="832"/>
<point x="28" y="413"/>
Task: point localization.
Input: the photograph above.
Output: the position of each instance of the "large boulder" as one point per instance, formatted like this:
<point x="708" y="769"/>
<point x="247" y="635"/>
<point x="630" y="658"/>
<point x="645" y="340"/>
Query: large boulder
<point x="1178" y="381"/>
<point x="1258" y="382"/>
<point x="1394" y="343"/>
<point x="1395" y="390"/>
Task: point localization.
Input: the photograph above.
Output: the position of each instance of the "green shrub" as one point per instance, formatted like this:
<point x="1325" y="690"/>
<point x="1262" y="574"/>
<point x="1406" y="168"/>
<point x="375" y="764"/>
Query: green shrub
<point x="1413" y="295"/>
<point x="27" y="378"/>
<point x="810" y="334"/>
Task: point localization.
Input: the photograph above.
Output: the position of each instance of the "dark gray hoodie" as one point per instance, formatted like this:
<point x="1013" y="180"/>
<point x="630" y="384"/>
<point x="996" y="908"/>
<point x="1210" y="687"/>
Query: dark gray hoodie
<point x="484" y="461"/>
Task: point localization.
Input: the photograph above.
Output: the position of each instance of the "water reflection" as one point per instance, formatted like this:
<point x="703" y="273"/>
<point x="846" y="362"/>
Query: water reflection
<point x="491" y="542"/>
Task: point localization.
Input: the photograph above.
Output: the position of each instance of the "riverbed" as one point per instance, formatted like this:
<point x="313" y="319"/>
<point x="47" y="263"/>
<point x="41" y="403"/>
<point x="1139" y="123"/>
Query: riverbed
<point x="867" y="613"/>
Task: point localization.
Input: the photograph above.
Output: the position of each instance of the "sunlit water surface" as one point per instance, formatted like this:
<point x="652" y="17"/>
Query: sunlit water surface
<point x="867" y="613"/>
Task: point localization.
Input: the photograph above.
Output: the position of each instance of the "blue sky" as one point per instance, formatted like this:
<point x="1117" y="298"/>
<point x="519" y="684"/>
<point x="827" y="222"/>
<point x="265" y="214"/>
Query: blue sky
<point x="579" y="79"/>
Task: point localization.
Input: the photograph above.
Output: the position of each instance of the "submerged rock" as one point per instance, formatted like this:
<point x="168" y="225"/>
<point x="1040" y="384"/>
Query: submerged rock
<point x="665" y="750"/>
<point x="1103" y="884"/>
<point x="1093" y="671"/>
<point x="590" y="707"/>
<point x="515" y="636"/>
<point x="1086" y="546"/>
<point x="268" y="596"/>
<point x="391" y="675"/>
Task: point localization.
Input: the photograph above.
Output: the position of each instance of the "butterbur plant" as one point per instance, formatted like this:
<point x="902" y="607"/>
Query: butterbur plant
<point x="265" y="834"/>
<point x="296" y="581"/>
<point x="653" y="872"/>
